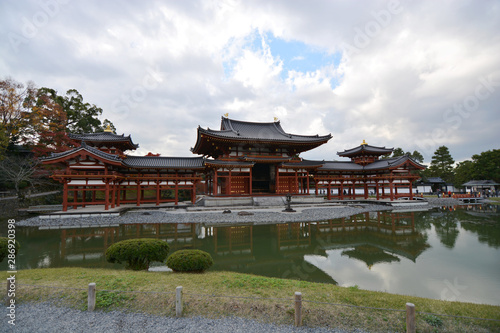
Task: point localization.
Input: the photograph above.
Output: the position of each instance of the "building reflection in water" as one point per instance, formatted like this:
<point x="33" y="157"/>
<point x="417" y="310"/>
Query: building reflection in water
<point x="275" y="250"/>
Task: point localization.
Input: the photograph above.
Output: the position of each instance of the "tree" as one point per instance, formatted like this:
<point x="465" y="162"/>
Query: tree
<point x="17" y="170"/>
<point x="81" y="117"/>
<point x="15" y="102"/>
<point x="442" y="164"/>
<point x="400" y="152"/>
<point x="48" y="124"/>
<point x="464" y="171"/>
<point x="417" y="156"/>
<point x="487" y="165"/>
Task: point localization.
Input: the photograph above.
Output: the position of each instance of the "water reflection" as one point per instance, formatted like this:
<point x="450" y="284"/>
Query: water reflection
<point x="376" y="250"/>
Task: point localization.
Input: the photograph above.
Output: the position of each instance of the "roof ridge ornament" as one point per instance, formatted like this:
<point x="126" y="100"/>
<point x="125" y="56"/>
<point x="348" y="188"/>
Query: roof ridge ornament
<point x="108" y="129"/>
<point x="226" y="115"/>
<point x="364" y="143"/>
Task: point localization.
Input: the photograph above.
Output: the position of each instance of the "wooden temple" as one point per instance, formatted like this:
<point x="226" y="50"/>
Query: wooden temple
<point x="240" y="159"/>
<point x="250" y="158"/>
<point x="99" y="173"/>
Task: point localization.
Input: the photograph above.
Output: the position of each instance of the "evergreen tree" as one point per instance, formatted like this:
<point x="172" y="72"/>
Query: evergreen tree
<point x="442" y="164"/>
<point x="464" y="171"/>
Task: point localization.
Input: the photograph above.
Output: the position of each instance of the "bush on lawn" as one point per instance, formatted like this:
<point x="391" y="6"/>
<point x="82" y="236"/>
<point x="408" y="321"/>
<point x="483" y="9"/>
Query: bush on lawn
<point x="190" y="261"/>
<point x="137" y="253"/>
<point x="4" y="248"/>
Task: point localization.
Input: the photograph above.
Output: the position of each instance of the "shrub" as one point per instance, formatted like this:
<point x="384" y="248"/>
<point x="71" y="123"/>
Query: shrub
<point x="137" y="253"/>
<point x="4" y="247"/>
<point x="190" y="261"/>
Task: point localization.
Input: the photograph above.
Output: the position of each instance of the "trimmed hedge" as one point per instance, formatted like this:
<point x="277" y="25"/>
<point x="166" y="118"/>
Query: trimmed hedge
<point x="190" y="261"/>
<point x="137" y="253"/>
<point x="4" y="248"/>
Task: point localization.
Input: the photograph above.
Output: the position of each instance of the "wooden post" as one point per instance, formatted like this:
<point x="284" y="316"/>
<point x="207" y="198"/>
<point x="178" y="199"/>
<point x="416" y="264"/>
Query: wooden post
<point x="298" y="309"/>
<point x="410" y="318"/>
<point x="178" y="302"/>
<point x="91" y="297"/>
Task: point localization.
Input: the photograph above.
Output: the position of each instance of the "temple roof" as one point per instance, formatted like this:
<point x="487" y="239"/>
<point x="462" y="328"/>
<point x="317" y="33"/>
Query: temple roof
<point x="105" y="137"/>
<point x="480" y="183"/>
<point x="253" y="132"/>
<point x="383" y="164"/>
<point x="230" y="163"/>
<point x="150" y="162"/>
<point x="92" y="150"/>
<point x="164" y="162"/>
<point x="365" y="148"/>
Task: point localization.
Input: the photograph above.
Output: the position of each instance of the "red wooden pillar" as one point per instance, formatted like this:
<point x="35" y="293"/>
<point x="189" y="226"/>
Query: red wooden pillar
<point x="65" y="195"/>
<point x="229" y="185"/>
<point x="119" y="185"/>
<point x="250" y="181"/>
<point x="158" y="190"/>
<point x="193" y="192"/>
<point x="307" y="182"/>
<point x="176" y="190"/>
<point x="113" y="195"/>
<point x="138" y="196"/>
<point x="366" y="189"/>
<point x="391" y="187"/>
<point x="75" y="196"/>
<point x="329" y="196"/>
<point x="296" y="182"/>
<point x="84" y="195"/>
<point x="277" y="190"/>
<point x="214" y="183"/>
<point x="342" y="189"/>
<point x="106" y="195"/>
<point x="376" y="189"/>
<point x="411" y="190"/>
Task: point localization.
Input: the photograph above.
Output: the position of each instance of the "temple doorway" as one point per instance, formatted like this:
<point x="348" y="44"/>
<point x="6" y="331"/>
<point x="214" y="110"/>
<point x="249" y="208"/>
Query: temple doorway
<point x="263" y="178"/>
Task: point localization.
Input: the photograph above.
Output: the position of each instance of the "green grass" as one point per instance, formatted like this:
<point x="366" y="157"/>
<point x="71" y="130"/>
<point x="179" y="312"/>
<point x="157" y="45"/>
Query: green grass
<point x="494" y="201"/>
<point x="278" y="309"/>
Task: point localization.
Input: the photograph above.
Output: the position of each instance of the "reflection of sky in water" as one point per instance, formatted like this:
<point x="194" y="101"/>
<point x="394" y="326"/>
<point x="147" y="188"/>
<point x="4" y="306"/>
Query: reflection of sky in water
<point x="465" y="273"/>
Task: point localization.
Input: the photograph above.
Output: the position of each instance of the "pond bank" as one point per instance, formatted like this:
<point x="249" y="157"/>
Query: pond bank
<point x="309" y="213"/>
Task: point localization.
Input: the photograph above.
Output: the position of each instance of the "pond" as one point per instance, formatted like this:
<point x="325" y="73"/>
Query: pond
<point x="443" y="253"/>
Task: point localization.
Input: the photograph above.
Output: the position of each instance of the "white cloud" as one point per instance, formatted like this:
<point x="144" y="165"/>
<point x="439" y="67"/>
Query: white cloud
<point x="213" y="57"/>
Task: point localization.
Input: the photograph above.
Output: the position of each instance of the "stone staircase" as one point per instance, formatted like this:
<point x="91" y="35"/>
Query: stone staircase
<point x="269" y="201"/>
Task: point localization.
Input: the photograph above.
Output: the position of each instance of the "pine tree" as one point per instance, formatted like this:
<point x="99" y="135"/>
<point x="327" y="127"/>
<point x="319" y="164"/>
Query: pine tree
<point x="442" y="164"/>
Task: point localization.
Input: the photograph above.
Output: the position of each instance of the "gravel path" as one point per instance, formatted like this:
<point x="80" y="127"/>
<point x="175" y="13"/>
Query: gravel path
<point x="44" y="317"/>
<point x="210" y="217"/>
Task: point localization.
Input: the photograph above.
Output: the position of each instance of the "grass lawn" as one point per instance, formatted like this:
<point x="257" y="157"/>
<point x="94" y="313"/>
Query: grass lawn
<point x="154" y="292"/>
<point x="494" y="201"/>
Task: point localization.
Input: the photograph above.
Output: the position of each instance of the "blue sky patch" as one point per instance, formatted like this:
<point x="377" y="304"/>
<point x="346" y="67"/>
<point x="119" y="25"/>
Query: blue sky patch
<point x="295" y="55"/>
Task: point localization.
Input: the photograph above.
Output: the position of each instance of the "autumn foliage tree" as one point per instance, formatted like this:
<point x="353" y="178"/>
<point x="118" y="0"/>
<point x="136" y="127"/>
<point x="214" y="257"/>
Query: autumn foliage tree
<point x="48" y="122"/>
<point x="15" y="102"/>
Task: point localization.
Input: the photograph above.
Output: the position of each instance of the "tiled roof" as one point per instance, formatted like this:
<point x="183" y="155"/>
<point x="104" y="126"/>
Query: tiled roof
<point x="481" y="183"/>
<point x="366" y="149"/>
<point x="390" y="162"/>
<point x="241" y="130"/>
<point x="164" y="162"/>
<point x="377" y="165"/>
<point x="103" y="137"/>
<point x="229" y="163"/>
<point x="91" y="150"/>
<point x="304" y="164"/>
<point x="340" y="166"/>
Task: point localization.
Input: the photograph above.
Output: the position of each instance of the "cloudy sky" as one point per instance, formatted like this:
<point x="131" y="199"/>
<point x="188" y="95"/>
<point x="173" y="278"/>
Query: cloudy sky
<point x="410" y="74"/>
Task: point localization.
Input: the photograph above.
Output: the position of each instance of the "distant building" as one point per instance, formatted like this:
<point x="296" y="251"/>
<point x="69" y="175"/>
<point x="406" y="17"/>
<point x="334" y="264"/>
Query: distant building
<point x="480" y="185"/>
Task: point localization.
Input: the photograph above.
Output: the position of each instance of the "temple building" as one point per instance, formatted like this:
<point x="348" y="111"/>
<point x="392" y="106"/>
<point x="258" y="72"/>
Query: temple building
<point x="240" y="159"/>
<point x="251" y="158"/>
